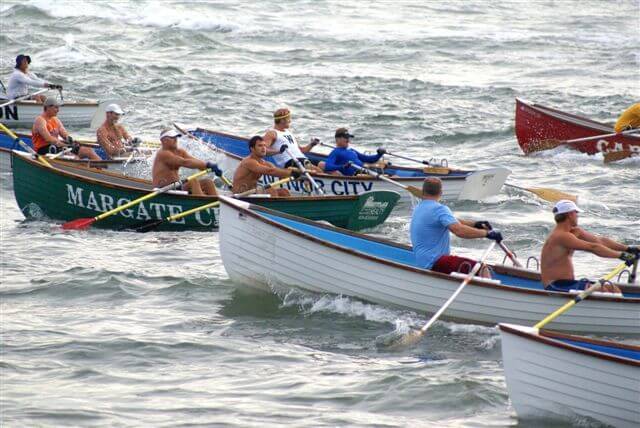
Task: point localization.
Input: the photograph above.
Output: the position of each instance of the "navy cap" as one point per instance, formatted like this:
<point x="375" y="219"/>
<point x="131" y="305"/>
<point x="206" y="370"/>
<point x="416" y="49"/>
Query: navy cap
<point x="19" y="59"/>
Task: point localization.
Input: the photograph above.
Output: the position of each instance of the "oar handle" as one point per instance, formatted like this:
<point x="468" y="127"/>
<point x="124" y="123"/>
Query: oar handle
<point x="378" y="175"/>
<point x="580" y="297"/>
<point x="424" y="162"/>
<point x="468" y="279"/>
<point x="153" y="194"/>
<point x="8" y="103"/>
<point x="304" y="171"/>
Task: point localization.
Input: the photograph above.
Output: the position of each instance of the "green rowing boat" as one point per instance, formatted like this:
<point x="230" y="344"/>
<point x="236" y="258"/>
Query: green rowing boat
<point x="66" y="192"/>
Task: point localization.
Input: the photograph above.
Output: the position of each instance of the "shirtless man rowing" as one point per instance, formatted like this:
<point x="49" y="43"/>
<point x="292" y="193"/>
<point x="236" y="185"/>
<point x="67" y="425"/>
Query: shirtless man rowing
<point x="112" y="136"/>
<point x="557" y="253"/>
<point x="170" y="159"/>
<point x="253" y="167"/>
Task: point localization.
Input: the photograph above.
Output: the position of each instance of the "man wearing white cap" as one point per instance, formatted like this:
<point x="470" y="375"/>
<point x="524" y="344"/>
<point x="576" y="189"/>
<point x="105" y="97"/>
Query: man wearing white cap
<point x="170" y="159"/>
<point x="557" y="253"/>
<point x="112" y="136"/>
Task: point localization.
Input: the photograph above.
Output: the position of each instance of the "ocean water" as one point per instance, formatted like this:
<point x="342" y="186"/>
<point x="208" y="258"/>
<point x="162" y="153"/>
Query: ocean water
<point x="102" y="328"/>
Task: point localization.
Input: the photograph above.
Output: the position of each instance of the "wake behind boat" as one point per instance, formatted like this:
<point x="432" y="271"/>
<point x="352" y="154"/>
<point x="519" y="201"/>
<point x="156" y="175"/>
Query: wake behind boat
<point x="557" y="376"/>
<point x="66" y="192"/>
<point x="385" y="272"/>
<point x="458" y="184"/>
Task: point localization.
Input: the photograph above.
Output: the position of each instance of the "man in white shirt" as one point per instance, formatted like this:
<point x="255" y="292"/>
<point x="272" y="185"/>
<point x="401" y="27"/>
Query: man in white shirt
<point x="21" y="79"/>
<point x="280" y="135"/>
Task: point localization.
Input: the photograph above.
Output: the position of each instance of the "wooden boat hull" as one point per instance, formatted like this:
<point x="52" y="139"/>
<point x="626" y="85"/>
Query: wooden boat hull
<point x="457" y="185"/>
<point x="553" y="376"/>
<point x="383" y="272"/>
<point x="121" y="165"/>
<point x="22" y="114"/>
<point x="68" y="192"/>
<point x="535" y="123"/>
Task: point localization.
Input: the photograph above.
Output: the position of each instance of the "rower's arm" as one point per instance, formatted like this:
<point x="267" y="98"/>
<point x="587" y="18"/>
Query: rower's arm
<point x="31" y="80"/>
<point x="63" y="131"/>
<point x="572" y="242"/>
<point x="463" y="230"/>
<point x="267" y="169"/>
<point x="602" y="240"/>
<point x="174" y="161"/>
<point x="269" y="138"/>
<point x="125" y="134"/>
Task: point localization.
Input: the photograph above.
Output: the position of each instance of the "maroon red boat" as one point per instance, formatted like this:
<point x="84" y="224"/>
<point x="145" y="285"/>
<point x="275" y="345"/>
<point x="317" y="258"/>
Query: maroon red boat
<point x="537" y="125"/>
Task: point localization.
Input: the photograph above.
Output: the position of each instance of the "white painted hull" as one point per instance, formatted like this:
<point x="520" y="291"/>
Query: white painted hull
<point x="476" y="186"/>
<point x="257" y="253"/>
<point x="546" y="381"/>
<point x="22" y="114"/>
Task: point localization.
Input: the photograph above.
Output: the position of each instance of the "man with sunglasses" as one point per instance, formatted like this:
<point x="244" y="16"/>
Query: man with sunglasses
<point x="112" y="136"/>
<point x="556" y="261"/>
<point x="21" y="79"/>
<point x="342" y="156"/>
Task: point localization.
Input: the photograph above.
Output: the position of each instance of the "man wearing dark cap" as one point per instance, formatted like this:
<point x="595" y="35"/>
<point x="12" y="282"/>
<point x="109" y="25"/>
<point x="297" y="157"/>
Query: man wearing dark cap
<point x="22" y="78"/>
<point x="431" y="225"/>
<point x="49" y="136"/>
<point x="342" y="156"/>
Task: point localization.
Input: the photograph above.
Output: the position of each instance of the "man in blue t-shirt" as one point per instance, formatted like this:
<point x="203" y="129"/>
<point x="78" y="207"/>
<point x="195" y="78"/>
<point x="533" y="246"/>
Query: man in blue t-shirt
<point x="430" y="226"/>
<point x="341" y="157"/>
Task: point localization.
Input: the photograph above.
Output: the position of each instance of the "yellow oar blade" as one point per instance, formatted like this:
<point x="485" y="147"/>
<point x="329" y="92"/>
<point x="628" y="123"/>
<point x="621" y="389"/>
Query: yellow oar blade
<point x="551" y="195"/>
<point x="586" y="293"/>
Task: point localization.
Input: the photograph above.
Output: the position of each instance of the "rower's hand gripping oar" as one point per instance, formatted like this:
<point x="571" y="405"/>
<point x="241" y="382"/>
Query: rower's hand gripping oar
<point x="285" y="148"/>
<point x="83" y="223"/>
<point x="411" y="189"/>
<point x="153" y="224"/>
<point x="580" y="297"/>
<point x="25" y="146"/>
<point x="201" y="141"/>
<point x="414" y="336"/>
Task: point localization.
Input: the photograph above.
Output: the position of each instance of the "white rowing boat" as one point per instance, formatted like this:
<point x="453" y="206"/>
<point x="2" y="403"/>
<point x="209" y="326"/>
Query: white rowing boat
<point x="22" y="114"/>
<point x="457" y="184"/>
<point x="557" y="376"/>
<point x="262" y="248"/>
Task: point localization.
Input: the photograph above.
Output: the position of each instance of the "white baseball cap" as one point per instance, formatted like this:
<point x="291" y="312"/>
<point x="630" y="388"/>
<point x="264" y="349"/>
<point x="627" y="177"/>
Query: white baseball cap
<point x="115" y="108"/>
<point x="169" y="132"/>
<point x="565" y="206"/>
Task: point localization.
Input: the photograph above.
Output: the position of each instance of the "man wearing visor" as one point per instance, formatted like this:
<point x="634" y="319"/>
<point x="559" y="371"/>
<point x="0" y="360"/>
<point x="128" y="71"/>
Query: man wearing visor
<point x="556" y="261"/>
<point x="169" y="160"/>
<point x="280" y="135"/>
<point x="340" y="158"/>
<point x="112" y="136"/>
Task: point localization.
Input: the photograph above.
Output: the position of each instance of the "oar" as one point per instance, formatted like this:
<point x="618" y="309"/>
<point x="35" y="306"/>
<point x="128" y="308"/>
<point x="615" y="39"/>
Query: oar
<point x="8" y="103"/>
<point x="201" y="141"/>
<point x="285" y="148"/>
<point x="411" y="189"/>
<point x="552" y="143"/>
<point x="413" y="336"/>
<point x="153" y="224"/>
<point x="25" y="146"/>
<point x="550" y="195"/>
<point x="83" y="223"/>
<point x="609" y="157"/>
<point x="580" y="297"/>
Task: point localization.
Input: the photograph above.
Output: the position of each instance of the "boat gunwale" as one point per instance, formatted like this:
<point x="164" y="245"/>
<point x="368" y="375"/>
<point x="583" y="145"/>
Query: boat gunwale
<point x="467" y="173"/>
<point x="506" y="270"/>
<point x="550" y="337"/>
<point x="63" y="173"/>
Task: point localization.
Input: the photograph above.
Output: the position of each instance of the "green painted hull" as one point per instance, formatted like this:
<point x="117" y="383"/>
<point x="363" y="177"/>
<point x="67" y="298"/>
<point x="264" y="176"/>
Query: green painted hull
<point x="67" y="192"/>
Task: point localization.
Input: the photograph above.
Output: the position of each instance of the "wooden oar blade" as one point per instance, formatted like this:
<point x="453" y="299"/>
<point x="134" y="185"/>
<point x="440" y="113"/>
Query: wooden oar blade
<point x="616" y="156"/>
<point x="397" y="340"/>
<point x="148" y="226"/>
<point x="551" y="195"/>
<point x="79" y="224"/>
<point x="415" y="191"/>
<point x="541" y="145"/>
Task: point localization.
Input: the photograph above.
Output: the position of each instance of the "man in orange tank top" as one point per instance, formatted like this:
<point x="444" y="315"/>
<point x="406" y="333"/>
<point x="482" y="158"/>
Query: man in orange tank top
<point x="49" y="136"/>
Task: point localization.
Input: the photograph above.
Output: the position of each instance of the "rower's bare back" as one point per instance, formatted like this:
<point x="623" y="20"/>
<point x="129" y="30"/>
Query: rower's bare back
<point x="556" y="259"/>
<point x="166" y="166"/>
